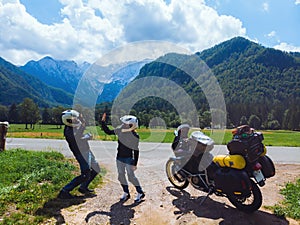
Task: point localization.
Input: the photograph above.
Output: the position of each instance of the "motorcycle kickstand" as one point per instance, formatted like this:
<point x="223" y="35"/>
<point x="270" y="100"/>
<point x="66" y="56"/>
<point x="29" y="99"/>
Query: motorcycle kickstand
<point x="208" y="194"/>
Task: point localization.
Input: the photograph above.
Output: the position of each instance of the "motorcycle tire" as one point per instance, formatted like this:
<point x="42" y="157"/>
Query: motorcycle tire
<point x="176" y="181"/>
<point x="250" y="203"/>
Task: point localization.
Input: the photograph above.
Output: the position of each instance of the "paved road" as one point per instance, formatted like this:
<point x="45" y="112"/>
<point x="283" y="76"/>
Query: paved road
<point x="106" y="150"/>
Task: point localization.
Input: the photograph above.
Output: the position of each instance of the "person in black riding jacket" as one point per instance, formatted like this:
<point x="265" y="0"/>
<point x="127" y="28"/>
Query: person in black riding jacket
<point x="180" y="143"/>
<point x="78" y="144"/>
<point x="127" y="155"/>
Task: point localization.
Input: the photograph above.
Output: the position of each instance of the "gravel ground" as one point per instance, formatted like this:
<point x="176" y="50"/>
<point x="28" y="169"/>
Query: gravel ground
<point x="166" y="205"/>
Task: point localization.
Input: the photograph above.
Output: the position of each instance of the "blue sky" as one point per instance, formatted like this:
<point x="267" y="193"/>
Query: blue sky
<point x="271" y="22"/>
<point x="84" y="30"/>
<point x="47" y="13"/>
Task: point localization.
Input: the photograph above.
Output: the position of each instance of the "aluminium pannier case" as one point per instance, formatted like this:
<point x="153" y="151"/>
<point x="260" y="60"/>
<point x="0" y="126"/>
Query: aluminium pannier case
<point x="200" y="143"/>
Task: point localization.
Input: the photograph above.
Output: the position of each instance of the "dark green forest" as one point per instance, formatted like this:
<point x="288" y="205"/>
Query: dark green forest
<point x="258" y="83"/>
<point x="261" y="87"/>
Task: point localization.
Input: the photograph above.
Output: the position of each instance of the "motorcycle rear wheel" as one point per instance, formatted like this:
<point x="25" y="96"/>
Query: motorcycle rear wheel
<point x="250" y="203"/>
<point x="180" y="183"/>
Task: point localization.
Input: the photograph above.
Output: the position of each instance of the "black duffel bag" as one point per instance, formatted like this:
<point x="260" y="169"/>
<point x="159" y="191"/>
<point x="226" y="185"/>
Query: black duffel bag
<point x="250" y="146"/>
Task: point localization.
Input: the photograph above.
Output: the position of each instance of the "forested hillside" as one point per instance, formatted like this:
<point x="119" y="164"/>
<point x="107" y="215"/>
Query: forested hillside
<point x="15" y="85"/>
<point x="261" y="86"/>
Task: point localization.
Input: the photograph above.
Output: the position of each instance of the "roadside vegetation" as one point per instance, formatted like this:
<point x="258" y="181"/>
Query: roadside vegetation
<point x="29" y="184"/>
<point x="290" y="206"/>
<point x="272" y="137"/>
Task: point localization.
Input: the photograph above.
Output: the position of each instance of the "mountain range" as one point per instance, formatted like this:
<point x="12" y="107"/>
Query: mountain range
<point x="51" y="82"/>
<point x="61" y="74"/>
<point x="15" y="85"/>
<point x="246" y="71"/>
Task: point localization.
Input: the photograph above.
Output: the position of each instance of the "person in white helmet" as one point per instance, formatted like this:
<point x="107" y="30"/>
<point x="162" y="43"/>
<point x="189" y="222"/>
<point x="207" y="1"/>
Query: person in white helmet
<point x="78" y="144"/>
<point x="128" y="154"/>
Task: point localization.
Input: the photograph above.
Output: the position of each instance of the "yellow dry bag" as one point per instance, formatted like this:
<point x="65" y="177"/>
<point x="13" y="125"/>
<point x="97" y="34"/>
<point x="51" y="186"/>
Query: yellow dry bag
<point x="232" y="161"/>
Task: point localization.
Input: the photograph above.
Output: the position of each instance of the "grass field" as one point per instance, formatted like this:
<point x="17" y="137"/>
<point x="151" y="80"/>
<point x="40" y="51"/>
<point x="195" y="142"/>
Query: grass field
<point x="30" y="182"/>
<point x="272" y="137"/>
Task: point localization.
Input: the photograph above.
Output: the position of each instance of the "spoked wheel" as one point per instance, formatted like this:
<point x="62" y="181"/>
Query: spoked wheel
<point x="249" y="203"/>
<point x="175" y="179"/>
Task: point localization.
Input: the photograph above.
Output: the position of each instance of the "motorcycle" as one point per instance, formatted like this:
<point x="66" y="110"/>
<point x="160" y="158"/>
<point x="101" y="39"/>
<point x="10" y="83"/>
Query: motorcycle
<point x="236" y="176"/>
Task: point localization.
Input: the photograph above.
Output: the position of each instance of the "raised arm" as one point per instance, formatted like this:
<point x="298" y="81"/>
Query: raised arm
<point x="105" y="127"/>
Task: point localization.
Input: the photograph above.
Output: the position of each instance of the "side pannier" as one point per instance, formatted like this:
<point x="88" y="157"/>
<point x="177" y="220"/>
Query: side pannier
<point x="268" y="168"/>
<point x="230" y="181"/>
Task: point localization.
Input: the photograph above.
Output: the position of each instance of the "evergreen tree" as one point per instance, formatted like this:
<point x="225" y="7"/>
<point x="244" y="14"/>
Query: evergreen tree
<point x="255" y="122"/>
<point x="13" y="116"/>
<point x="243" y="120"/>
<point x="46" y="116"/>
<point x="3" y="113"/>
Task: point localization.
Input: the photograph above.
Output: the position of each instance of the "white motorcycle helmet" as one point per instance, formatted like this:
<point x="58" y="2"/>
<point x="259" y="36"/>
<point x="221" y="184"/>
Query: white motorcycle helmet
<point x="71" y="118"/>
<point x="130" y="120"/>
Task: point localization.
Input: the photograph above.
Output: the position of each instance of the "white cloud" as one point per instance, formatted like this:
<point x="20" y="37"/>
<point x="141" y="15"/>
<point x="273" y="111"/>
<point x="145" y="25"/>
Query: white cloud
<point x="272" y="34"/>
<point x="287" y="47"/>
<point x="265" y="7"/>
<point x="297" y="2"/>
<point x="91" y="28"/>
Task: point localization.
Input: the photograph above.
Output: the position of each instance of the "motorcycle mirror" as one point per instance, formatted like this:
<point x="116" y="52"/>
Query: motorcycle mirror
<point x="176" y="133"/>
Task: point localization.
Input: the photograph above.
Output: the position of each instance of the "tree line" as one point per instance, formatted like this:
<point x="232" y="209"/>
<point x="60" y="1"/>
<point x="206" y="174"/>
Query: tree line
<point x="154" y="112"/>
<point x="29" y="113"/>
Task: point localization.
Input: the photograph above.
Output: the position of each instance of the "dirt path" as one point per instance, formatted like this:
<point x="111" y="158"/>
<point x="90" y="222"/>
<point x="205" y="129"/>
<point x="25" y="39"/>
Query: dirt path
<point x="166" y="205"/>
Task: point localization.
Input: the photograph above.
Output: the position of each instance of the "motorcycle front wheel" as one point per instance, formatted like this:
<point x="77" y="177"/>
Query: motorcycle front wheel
<point x="249" y="203"/>
<point x="176" y="180"/>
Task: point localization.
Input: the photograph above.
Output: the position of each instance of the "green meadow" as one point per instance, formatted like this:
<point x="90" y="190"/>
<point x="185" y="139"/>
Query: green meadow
<point x="30" y="182"/>
<point x="272" y="137"/>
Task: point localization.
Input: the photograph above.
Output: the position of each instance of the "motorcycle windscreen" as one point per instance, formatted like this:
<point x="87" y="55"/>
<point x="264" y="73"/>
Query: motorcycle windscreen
<point x="232" y="181"/>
